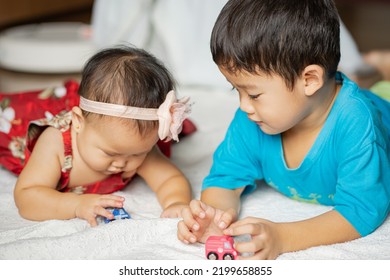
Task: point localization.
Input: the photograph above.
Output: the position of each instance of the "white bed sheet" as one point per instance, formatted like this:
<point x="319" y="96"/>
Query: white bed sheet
<point x="148" y="237"/>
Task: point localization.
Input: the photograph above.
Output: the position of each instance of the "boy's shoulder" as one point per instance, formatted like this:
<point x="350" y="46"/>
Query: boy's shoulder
<point x="359" y="113"/>
<point x="354" y="102"/>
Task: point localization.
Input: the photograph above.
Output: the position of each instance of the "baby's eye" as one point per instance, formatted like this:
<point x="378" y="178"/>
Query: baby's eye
<point x="108" y="154"/>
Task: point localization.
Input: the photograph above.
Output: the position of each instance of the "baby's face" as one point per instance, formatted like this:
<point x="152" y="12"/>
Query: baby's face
<point x="110" y="146"/>
<point x="268" y="101"/>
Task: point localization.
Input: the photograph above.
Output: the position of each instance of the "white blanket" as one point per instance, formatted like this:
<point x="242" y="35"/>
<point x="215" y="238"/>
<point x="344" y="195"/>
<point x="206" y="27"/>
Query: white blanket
<point x="148" y="237"/>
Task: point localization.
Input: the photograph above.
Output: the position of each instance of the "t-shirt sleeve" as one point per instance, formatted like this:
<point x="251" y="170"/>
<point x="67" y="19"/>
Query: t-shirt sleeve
<point x="362" y="193"/>
<point x="236" y="161"/>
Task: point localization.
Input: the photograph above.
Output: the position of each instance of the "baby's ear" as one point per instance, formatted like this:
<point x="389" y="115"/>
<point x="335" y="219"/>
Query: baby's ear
<point x="77" y="118"/>
<point x="313" y="78"/>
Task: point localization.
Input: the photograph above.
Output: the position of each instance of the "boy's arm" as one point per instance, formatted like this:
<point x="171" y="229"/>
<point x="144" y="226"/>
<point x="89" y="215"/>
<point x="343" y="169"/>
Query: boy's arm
<point x="328" y="228"/>
<point x="271" y="239"/>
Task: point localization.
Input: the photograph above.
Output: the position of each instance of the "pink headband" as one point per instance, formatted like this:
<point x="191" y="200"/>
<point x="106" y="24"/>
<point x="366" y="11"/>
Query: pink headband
<point x="170" y="114"/>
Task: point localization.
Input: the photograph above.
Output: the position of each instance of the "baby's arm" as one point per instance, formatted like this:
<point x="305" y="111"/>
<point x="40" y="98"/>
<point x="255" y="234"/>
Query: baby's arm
<point x="35" y="194"/>
<point x="271" y="239"/>
<point x="167" y="181"/>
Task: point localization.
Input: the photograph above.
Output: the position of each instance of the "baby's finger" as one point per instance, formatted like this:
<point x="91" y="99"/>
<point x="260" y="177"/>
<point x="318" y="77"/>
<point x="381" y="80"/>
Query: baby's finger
<point x="198" y="208"/>
<point x="92" y="221"/>
<point x="226" y="219"/>
<point x="184" y="234"/>
<point x="111" y="201"/>
<point x="100" y="211"/>
<point x="114" y="197"/>
<point x="188" y="219"/>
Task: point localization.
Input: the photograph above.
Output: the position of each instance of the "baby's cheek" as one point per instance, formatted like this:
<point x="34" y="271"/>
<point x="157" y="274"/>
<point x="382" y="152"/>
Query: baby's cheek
<point x="100" y="164"/>
<point x="133" y="164"/>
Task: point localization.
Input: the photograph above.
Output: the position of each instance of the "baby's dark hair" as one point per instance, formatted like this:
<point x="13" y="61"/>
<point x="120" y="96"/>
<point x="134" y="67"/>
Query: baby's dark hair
<point x="277" y="37"/>
<point x="128" y="76"/>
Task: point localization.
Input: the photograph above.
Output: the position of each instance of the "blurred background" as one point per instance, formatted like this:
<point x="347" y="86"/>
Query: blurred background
<point x="368" y="21"/>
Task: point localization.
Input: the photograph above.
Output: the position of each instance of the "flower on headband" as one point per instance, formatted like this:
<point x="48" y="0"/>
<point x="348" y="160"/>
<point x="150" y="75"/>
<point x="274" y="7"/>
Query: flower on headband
<point x="171" y="114"/>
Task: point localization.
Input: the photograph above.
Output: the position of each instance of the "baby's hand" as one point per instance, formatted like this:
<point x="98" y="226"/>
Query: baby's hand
<point x="173" y="210"/>
<point x="264" y="245"/>
<point x="92" y="205"/>
<point x="201" y="220"/>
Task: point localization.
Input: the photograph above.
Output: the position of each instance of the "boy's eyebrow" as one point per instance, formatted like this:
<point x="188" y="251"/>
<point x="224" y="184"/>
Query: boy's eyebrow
<point x="245" y="86"/>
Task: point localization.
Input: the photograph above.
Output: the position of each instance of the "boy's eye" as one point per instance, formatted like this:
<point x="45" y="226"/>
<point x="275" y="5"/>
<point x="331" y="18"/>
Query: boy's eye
<point x="255" y="96"/>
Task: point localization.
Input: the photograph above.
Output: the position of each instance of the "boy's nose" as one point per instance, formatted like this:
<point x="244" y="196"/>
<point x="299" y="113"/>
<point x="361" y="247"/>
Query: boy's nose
<point x="246" y="106"/>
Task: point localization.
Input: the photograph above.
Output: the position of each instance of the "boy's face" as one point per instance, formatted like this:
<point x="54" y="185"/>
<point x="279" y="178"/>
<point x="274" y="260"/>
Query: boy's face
<point x="268" y="101"/>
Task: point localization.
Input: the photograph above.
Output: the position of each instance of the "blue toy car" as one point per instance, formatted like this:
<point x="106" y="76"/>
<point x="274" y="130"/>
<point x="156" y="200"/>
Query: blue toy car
<point x="119" y="213"/>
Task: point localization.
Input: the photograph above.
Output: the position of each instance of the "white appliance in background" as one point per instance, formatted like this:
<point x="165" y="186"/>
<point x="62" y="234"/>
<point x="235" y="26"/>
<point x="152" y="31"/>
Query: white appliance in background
<point x="61" y="47"/>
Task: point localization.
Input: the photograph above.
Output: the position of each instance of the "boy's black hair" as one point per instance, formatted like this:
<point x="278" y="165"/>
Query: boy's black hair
<point x="277" y="37"/>
<point x="128" y="76"/>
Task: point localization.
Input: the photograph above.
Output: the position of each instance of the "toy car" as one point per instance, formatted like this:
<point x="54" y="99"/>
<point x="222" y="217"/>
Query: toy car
<point x="119" y="213"/>
<point x="220" y="248"/>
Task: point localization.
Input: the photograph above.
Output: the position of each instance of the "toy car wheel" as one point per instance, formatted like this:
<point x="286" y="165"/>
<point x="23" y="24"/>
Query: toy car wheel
<point x="212" y="256"/>
<point x="228" y="257"/>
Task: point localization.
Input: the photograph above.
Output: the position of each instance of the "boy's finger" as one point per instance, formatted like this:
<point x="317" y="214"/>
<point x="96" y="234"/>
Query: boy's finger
<point x="239" y="229"/>
<point x="244" y="221"/>
<point x="249" y="247"/>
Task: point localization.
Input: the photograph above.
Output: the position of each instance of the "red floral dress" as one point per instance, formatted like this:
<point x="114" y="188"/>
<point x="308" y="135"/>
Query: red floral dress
<point x="63" y="122"/>
<point x="23" y="117"/>
<point x="17" y="110"/>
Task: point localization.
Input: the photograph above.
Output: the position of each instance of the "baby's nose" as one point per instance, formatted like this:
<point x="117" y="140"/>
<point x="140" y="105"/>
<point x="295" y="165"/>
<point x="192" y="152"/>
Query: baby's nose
<point x="119" y="163"/>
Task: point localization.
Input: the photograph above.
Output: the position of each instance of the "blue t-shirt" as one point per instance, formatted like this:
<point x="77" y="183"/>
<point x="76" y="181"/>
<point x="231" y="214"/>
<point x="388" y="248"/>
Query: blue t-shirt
<point x="348" y="166"/>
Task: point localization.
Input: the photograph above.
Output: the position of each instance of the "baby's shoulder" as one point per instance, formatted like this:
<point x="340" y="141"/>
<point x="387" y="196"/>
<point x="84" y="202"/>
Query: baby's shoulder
<point x="50" y="138"/>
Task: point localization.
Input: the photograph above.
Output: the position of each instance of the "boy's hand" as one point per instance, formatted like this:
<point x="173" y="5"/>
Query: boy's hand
<point x="92" y="205"/>
<point x="265" y="243"/>
<point x="201" y="220"/>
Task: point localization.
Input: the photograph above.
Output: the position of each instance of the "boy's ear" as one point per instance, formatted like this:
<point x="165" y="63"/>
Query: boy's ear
<point x="77" y="118"/>
<point x="313" y="78"/>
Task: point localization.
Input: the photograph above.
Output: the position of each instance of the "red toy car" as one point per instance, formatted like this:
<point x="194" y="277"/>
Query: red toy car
<point x="220" y="248"/>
